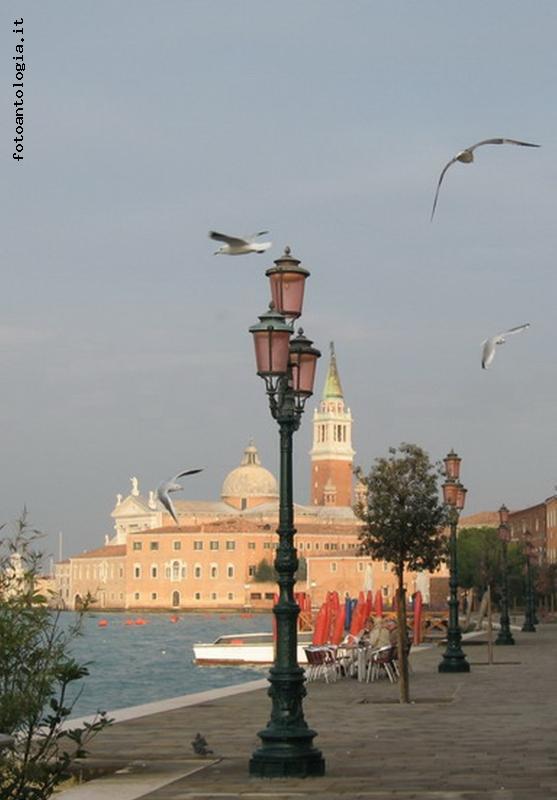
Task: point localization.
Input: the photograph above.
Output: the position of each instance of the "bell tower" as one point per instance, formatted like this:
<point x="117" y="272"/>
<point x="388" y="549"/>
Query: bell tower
<point x="332" y="454"/>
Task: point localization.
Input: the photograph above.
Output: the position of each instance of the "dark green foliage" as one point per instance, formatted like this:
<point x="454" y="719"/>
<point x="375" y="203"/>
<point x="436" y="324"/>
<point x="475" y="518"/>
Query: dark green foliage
<point x="480" y="562"/>
<point x="403" y="517"/>
<point x="264" y="572"/>
<point x="403" y="524"/>
<point x="36" y="670"/>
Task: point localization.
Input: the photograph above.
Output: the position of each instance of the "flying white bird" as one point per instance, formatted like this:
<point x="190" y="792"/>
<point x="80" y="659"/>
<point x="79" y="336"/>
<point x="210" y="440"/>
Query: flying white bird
<point x="467" y="156"/>
<point x="237" y="246"/>
<point x="164" y="489"/>
<point x="489" y="345"/>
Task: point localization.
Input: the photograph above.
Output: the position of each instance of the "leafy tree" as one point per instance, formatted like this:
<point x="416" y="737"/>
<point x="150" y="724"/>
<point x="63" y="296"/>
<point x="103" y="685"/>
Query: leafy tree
<point x="36" y="675"/>
<point x="403" y="524"/>
<point x="265" y="572"/>
<point x="480" y="561"/>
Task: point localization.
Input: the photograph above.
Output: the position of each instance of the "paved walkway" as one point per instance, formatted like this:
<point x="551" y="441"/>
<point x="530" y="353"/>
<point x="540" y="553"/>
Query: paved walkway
<point x="489" y="734"/>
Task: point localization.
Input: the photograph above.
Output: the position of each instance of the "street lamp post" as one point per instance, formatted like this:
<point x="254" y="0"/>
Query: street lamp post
<point x="529" y="626"/>
<point x="504" y="636"/>
<point x="287" y="365"/>
<point x="454" y="496"/>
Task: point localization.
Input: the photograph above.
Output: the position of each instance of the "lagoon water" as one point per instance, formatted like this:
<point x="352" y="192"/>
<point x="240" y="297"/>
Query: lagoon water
<point x="134" y="664"/>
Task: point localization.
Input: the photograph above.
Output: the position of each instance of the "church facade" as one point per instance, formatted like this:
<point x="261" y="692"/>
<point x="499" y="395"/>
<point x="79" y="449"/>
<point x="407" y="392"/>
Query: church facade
<point x="215" y="558"/>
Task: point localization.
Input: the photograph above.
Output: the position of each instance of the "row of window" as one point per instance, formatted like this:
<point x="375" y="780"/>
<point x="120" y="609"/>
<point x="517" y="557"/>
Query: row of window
<point x="177" y="545"/>
<point x="176" y="599"/>
<point x="97" y="571"/>
<point x="231" y="545"/>
<point x="179" y="571"/>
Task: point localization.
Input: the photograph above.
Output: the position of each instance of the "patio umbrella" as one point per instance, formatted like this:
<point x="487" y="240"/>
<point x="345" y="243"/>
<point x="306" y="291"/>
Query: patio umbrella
<point x="355" y="626"/>
<point x="418" y="613"/>
<point x="347" y="612"/>
<point x="321" y="629"/>
<point x="338" y="629"/>
<point x="378" y="603"/>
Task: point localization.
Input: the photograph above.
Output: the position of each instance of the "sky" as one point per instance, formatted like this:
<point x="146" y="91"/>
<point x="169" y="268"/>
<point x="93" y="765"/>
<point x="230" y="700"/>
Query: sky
<point x="124" y="344"/>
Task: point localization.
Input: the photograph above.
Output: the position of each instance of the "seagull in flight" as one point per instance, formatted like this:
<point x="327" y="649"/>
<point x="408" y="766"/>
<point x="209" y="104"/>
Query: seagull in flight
<point x="164" y="489"/>
<point x="238" y="246"/>
<point x="489" y="345"/>
<point x="467" y="156"/>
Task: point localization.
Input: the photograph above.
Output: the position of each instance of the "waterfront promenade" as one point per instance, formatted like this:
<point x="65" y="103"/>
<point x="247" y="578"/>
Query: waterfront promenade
<point x="489" y="734"/>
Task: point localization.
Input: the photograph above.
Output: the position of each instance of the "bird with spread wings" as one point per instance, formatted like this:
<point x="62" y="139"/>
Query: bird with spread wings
<point x="164" y="489"/>
<point x="467" y="156"/>
<point x="489" y="345"/>
<point x="239" y="246"/>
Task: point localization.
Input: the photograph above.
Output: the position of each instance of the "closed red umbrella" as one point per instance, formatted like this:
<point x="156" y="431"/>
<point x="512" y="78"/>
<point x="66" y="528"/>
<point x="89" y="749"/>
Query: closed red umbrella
<point x="321" y="629"/>
<point x="418" y="613"/>
<point x="338" y="630"/>
<point x="355" y="626"/>
<point x="369" y="603"/>
<point x="378" y="603"/>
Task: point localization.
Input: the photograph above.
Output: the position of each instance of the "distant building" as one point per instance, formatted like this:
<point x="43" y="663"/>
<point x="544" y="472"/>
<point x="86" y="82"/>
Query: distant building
<point x="211" y="559"/>
<point x="533" y="519"/>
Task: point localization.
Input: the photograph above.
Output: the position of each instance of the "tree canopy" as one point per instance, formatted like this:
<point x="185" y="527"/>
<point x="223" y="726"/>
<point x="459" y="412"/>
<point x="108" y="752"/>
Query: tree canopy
<point x="404" y="523"/>
<point x="403" y="515"/>
<point x="480" y="561"/>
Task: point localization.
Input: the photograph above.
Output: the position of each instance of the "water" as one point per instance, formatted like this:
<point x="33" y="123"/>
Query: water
<point x="133" y="664"/>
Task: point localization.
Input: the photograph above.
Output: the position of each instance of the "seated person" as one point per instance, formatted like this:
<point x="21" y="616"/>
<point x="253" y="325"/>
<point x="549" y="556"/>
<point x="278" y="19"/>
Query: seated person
<point x="379" y="635"/>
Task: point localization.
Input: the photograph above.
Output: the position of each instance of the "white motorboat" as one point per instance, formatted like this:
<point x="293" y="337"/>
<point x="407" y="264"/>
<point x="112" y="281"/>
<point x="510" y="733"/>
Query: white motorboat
<point x="244" y="648"/>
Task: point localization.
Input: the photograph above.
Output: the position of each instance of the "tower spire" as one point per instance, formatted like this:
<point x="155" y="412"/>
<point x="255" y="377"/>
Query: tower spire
<point x="332" y="454"/>
<point x="332" y="388"/>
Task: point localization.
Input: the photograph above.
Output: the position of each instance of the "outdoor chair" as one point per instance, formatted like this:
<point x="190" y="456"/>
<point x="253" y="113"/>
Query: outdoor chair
<point x="322" y="663"/>
<point x="381" y="663"/>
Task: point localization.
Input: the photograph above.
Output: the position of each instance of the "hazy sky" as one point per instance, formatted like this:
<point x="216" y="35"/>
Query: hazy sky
<point x="124" y="347"/>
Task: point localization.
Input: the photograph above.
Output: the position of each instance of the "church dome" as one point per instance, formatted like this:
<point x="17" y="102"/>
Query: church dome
<point x="250" y="483"/>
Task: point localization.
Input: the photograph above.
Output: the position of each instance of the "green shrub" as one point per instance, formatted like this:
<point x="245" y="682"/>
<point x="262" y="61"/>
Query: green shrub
<point x="36" y="672"/>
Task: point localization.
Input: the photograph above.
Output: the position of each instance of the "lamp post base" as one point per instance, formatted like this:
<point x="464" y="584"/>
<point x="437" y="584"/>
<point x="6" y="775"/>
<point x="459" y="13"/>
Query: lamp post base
<point x="528" y="627"/>
<point x="504" y="637"/>
<point x="280" y="759"/>
<point x="454" y="663"/>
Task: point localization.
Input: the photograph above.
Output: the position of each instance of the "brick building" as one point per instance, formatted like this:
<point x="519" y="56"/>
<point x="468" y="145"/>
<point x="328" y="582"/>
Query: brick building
<point x="211" y="558"/>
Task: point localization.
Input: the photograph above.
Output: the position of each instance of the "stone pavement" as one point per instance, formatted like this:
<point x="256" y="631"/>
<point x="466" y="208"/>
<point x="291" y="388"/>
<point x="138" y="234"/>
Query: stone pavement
<point x="489" y="734"/>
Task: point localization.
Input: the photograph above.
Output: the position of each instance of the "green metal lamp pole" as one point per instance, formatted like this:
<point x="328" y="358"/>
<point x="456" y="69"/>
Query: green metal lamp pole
<point x="454" y="495"/>
<point x="529" y="626"/>
<point x="288" y="368"/>
<point x="504" y="636"/>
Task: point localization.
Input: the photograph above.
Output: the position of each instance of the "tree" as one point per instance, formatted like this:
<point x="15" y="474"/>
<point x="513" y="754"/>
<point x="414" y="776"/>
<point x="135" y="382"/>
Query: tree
<point x="265" y="572"/>
<point x="403" y="525"/>
<point x="37" y="673"/>
<point x="480" y="561"/>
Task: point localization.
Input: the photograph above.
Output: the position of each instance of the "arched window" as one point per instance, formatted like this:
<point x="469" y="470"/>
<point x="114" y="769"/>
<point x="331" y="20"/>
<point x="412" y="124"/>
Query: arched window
<point x="175" y="599"/>
<point x="214" y="571"/>
<point x="175" y="570"/>
<point x="230" y="571"/>
<point x="154" y="571"/>
<point x="197" y="571"/>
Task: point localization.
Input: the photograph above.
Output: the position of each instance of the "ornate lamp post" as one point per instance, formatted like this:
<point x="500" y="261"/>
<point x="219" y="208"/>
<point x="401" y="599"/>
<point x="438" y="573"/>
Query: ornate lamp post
<point x="529" y="554"/>
<point x="454" y="496"/>
<point x="504" y="636"/>
<point x="287" y="365"/>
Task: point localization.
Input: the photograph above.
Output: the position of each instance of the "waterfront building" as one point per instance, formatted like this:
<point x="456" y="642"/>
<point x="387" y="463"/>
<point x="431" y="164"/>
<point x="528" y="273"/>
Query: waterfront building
<point x="220" y="554"/>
